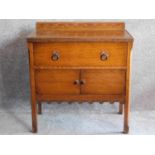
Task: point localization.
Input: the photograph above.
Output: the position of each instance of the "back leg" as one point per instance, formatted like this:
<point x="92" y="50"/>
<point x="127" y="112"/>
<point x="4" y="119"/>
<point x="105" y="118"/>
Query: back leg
<point x="120" y="108"/>
<point x="39" y="108"/>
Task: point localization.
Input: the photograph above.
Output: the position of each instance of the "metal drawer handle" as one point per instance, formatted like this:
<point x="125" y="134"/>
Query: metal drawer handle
<point x="104" y="56"/>
<point x="55" y="56"/>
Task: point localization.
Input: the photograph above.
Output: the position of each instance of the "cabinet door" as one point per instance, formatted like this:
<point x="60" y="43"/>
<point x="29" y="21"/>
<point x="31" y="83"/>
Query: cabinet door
<point x="57" y="81"/>
<point x="105" y="82"/>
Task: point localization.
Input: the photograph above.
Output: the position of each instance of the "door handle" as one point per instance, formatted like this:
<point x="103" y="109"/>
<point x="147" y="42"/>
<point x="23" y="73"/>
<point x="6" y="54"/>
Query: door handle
<point x="82" y="82"/>
<point x="76" y="82"/>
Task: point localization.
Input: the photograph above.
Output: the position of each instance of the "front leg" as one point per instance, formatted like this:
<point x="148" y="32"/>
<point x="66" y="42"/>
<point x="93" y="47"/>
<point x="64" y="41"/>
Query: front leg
<point x="126" y="117"/>
<point x="33" y="91"/>
<point x="34" y="116"/>
<point x="127" y="91"/>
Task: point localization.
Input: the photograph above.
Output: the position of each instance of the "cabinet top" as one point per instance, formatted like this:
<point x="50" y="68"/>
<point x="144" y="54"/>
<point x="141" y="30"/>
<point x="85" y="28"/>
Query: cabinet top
<point x="80" y="32"/>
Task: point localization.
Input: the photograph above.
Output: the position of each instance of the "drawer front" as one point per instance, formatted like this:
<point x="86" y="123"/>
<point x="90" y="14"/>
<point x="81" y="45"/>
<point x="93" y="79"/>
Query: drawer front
<point x="106" y="82"/>
<point x="80" y="54"/>
<point x="57" y="82"/>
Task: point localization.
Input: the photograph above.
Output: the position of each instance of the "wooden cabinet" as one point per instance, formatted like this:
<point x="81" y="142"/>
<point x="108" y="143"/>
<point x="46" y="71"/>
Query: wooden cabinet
<point x="80" y="62"/>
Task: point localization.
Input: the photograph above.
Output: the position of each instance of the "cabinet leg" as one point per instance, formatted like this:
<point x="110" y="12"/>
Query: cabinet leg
<point x="33" y="92"/>
<point x="39" y="108"/>
<point x="34" y="117"/>
<point x="120" y="108"/>
<point x="126" y="118"/>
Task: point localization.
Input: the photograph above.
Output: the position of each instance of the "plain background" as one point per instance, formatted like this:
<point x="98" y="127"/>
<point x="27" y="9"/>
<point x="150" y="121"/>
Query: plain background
<point x="14" y="71"/>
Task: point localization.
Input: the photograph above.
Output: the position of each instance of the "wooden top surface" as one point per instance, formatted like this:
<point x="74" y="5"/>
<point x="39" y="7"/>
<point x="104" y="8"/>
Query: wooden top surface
<point x="80" y="32"/>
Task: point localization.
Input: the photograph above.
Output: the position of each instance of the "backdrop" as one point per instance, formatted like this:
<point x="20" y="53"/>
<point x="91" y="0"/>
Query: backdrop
<point x="14" y="73"/>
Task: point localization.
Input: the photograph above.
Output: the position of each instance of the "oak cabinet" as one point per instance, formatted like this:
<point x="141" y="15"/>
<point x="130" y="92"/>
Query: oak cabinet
<point x="76" y="61"/>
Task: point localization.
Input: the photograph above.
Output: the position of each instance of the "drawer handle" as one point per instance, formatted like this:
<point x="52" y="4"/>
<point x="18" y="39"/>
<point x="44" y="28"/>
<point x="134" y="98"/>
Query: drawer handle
<point x="55" y="56"/>
<point x="82" y="82"/>
<point x="104" y="56"/>
<point x="76" y="82"/>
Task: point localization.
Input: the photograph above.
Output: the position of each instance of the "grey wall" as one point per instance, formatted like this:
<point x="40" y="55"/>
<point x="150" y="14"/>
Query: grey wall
<point x="14" y="78"/>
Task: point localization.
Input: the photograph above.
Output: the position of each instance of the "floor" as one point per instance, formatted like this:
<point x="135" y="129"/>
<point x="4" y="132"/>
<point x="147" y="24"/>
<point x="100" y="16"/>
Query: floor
<point x="73" y="119"/>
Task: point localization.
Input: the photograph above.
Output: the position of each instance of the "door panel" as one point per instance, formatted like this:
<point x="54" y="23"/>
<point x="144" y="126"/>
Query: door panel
<point x="106" y="82"/>
<point x="57" y="81"/>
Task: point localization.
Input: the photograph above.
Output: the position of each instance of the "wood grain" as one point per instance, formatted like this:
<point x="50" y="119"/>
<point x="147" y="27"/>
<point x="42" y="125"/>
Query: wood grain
<point x="106" y="82"/>
<point x="80" y="32"/>
<point x="120" y="108"/>
<point x="127" y="99"/>
<point x="78" y="47"/>
<point x="78" y="26"/>
<point x="57" y="82"/>
<point x="85" y="36"/>
<point x="32" y="86"/>
<point x="81" y="54"/>
<point x="39" y="108"/>
<point x="80" y="98"/>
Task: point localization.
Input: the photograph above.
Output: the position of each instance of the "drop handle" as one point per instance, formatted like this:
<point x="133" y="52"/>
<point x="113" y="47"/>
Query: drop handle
<point x="82" y="82"/>
<point x="104" y="56"/>
<point x="55" y="56"/>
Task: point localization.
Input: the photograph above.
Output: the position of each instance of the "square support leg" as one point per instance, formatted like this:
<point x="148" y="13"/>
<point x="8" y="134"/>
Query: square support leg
<point x="34" y="116"/>
<point x="39" y="108"/>
<point x="126" y="117"/>
<point x="120" y="108"/>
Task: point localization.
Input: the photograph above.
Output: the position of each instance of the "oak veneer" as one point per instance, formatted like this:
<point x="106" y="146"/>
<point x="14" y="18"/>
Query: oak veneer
<point x="76" y="61"/>
<point x="80" y="54"/>
<point x="103" y="82"/>
<point x="57" y="82"/>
